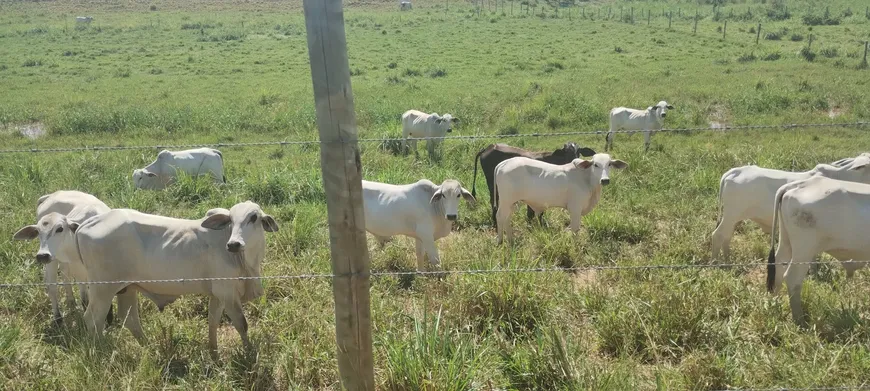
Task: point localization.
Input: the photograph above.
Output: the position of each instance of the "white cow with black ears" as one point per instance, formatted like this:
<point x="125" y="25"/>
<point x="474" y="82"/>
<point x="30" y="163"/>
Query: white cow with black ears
<point x="649" y="120"/>
<point x="417" y="124"/>
<point x="421" y="210"/>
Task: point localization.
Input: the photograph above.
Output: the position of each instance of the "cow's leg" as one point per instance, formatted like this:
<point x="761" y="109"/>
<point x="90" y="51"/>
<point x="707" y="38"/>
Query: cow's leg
<point x="575" y="212"/>
<point x="128" y="311"/>
<point x="50" y="277"/>
<point x="782" y="257"/>
<point x="431" y="250"/>
<point x="646" y="140"/>
<point x="608" y="140"/>
<point x="794" y="280"/>
<point x="237" y="316"/>
<point x="68" y="291"/>
<point x="503" y="217"/>
<point x="430" y="147"/>
<point x="530" y="214"/>
<point x="215" y="311"/>
<point x="721" y="238"/>
<point x="382" y="241"/>
<point x="421" y="255"/>
<point x="99" y="305"/>
<point x="413" y="144"/>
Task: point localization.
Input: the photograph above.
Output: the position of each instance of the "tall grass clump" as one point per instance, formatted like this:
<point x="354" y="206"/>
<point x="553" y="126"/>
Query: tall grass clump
<point x="541" y="364"/>
<point x="511" y="305"/>
<point x="431" y="355"/>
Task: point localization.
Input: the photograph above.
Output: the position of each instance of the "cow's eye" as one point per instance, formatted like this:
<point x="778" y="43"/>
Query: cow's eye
<point x="597" y="165"/>
<point x="458" y="195"/>
<point x="253" y="219"/>
<point x="58" y="230"/>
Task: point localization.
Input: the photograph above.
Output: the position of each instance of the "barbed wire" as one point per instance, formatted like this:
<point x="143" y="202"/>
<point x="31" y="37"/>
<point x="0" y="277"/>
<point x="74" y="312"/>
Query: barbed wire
<point x="721" y="128"/>
<point x="377" y="274"/>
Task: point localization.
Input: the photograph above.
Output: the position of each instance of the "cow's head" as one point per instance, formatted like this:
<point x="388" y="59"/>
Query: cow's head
<point x="56" y="236"/>
<point x="446" y="198"/>
<point x="247" y="223"/>
<point x="144" y="179"/>
<point x="660" y="110"/>
<point x="446" y="121"/>
<point x="600" y="166"/>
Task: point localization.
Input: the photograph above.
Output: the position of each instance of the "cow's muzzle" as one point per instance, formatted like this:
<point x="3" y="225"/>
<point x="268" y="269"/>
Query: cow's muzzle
<point x="664" y="115"/>
<point x="235" y="246"/>
<point x="605" y="181"/>
<point x="43" y="258"/>
<point x="449" y="130"/>
<point x="451" y="217"/>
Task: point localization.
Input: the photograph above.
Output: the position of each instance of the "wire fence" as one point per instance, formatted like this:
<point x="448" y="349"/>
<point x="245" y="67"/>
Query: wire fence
<point x="721" y="128"/>
<point x="437" y="273"/>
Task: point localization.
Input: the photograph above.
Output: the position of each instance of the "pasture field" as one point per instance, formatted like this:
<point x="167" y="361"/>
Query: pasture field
<point x="221" y="71"/>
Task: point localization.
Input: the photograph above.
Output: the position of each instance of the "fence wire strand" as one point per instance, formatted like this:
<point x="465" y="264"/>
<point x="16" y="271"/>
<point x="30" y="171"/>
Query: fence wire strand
<point x="722" y="128"/>
<point x="377" y="274"/>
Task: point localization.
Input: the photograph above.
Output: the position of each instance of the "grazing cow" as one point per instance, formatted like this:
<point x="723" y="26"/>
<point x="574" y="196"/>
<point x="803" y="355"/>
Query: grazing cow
<point x="649" y="120"/>
<point x="84" y="19"/>
<point x="421" y="210"/>
<point x="417" y="124"/>
<point x="745" y="193"/>
<point x="405" y="5"/>
<point x="63" y="202"/>
<point x="494" y="154"/>
<point x="575" y="186"/>
<point x="125" y="245"/>
<point x="816" y="215"/>
<point x="194" y="162"/>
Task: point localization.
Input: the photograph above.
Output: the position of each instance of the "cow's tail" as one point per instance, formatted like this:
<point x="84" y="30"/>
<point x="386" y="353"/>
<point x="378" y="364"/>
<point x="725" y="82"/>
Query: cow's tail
<point x="474" y="178"/>
<point x="719" y="205"/>
<point x="221" y="156"/>
<point x="771" y="257"/>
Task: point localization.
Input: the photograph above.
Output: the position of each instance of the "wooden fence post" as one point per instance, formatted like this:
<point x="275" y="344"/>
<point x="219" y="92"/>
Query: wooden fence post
<point x="632" y="15"/>
<point x="864" y="63"/>
<point x="724" y="29"/>
<point x="609" y="10"/>
<point x="620" y="14"/>
<point x="758" y="34"/>
<point x="670" y="16"/>
<point x="342" y="181"/>
<point x="695" y="29"/>
<point x="648" y="17"/>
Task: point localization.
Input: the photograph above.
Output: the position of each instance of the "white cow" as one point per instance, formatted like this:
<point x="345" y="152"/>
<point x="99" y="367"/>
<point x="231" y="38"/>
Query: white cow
<point x="128" y="245"/>
<point x="649" y="120"/>
<point x="417" y="124"/>
<point x="575" y="186"/>
<point x="421" y="210"/>
<point x="63" y="202"/>
<point x="193" y="162"/>
<point x="848" y="161"/>
<point x="816" y="215"/>
<point x="84" y="19"/>
<point x="745" y="193"/>
<point x="405" y="5"/>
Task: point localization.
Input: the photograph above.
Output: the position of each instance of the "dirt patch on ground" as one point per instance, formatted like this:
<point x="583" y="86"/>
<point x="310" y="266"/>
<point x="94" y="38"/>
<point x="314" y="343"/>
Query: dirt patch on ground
<point x="718" y="117"/>
<point x="585" y="278"/>
<point x="835" y="112"/>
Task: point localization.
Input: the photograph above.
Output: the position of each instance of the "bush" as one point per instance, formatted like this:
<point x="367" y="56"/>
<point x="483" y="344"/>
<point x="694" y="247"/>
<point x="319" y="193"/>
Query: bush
<point x="155" y="71"/>
<point x="747" y="57"/>
<point x="437" y="72"/>
<point x="31" y="63"/>
<point x="797" y="37"/>
<point x="808" y="54"/>
<point x="829" y="52"/>
<point x="153" y="7"/>
<point x="820" y="20"/>
<point x="848" y="12"/>
<point x="619" y="50"/>
<point x="771" y="56"/>
<point x="411" y="73"/>
<point x="392" y="65"/>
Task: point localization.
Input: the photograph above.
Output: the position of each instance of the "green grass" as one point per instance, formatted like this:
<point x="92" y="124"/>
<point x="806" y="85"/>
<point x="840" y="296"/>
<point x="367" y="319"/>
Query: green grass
<point x="224" y="72"/>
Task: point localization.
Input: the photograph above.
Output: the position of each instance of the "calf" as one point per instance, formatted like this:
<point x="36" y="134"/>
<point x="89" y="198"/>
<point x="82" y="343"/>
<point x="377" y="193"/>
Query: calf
<point x="194" y="162"/>
<point x="494" y="154"/>
<point x="575" y="186"/>
<point x="649" y="120"/>
<point x="64" y="202"/>
<point x="745" y="193"/>
<point x="421" y="210"/>
<point x="125" y="245"/>
<point x="816" y="215"/>
<point x="417" y="124"/>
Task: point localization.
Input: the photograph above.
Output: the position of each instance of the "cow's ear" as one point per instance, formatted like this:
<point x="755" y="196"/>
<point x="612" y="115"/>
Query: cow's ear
<point x="164" y="154"/>
<point x="29" y="232"/>
<point x="859" y="164"/>
<point x="670" y="107"/>
<point x="454" y="119"/>
<point x="618" y="164"/>
<point x="73" y="226"/>
<point x="586" y="152"/>
<point x="437" y="196"/>
<point x="269" y="223"/>
<point x="439" y="120"/>
<point x="150" y="174"/>
<point x="582" y="163"/>
<point x="217" y="221"/>
<point x="467" y="196"/>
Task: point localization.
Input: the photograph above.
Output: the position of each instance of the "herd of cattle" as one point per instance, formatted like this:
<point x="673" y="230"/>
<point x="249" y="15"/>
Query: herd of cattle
<point x="823" y="210"/>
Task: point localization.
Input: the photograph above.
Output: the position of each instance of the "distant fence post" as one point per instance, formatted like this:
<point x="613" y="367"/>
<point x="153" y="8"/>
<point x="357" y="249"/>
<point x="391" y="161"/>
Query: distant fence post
<point x="695" y="29"/>
<point x="632" y="15"/>
<point x="648" y="17"/>
<point x="447" y="5"/>
<point x="342" y="181"/>
<point x="758" y="34"/>
<point x="609" y="10"/>
<point x="864" y="63"/>
<point x="670" y="16"/>
<point x="620" y="14"/>
<point x="724" y="29"/>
